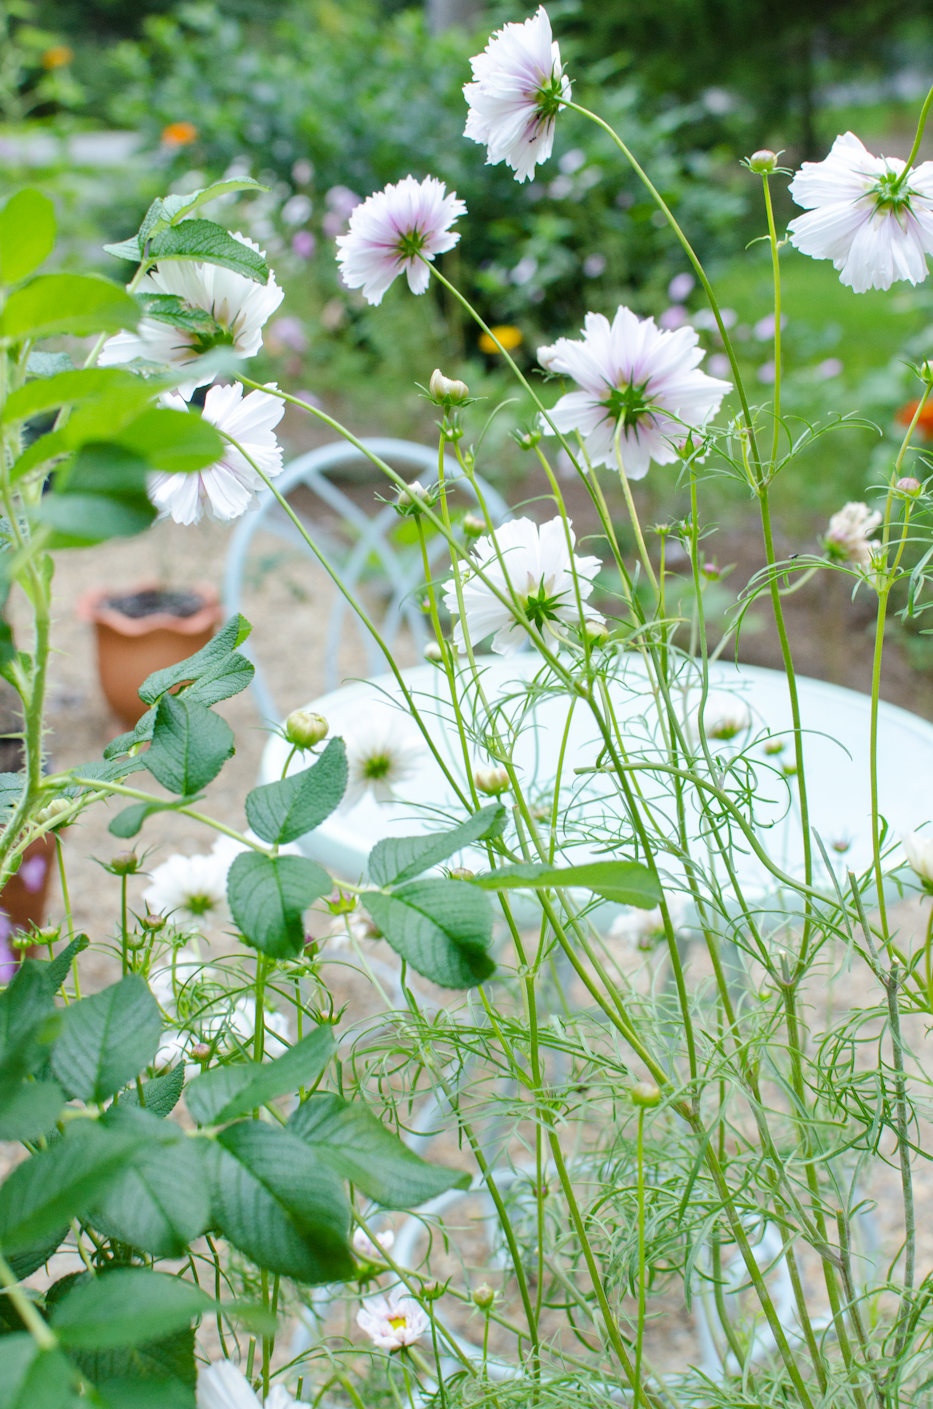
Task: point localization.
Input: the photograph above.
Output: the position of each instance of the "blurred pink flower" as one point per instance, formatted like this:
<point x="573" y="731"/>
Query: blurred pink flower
<point x="392" y="1321"/>
<point x="304" y="243"/>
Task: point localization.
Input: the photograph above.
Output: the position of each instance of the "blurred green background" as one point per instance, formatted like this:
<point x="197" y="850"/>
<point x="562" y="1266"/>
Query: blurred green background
<point x="105" y="103"/>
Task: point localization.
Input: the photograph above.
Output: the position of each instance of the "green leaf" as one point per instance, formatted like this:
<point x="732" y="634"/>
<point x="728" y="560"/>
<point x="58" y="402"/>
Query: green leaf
<point x="278" y="1204"/>
<point x="67" y="303"/>
<point x="225" y="1092"/>
<point x="204" y="240"/>
<point x="68" y="388"/>
<point x="47" y="447"/>
<point x="27" y="1020"/>
<point x="160" y="1095"/>
<point x="357" y="1146"/>
<point x="167" y="1365"/>
<point x="174" y="442"/>
<point x="178" y="208"/>
<point x="189" y="745"/>
<point x="27" y="235"/>
<point x="81" y="520"/>
<point x="107" y="1039"/>
<point x="396" y="859"/>
<point x="48" y="364"/>
<point x="268" y="897"/>
<point x="281" y="811"/>
<point x="29" y="1109"/>
<point x="626" y="882"/>
<point x="32" y="1378"/>
<point x="57" y="970"/>
<point x="128" y="822"/>
<point x="134" y="1393"/>
<point x="437" y="929"/>
<point x="160" y="1201"/>
<point x="125" y="249"/>
<point x="128" y="1306"/>
<point x="58" y="1183"/>
<point x="169" y="308"/>
<point x="203" y="665"/>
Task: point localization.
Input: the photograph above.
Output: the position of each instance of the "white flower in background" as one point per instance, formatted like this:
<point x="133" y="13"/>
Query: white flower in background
<point x="379" y="761"/>
<point x="223" y="1386"/>
<point x="516" y="94"/>
<point x="636" y="374"/>
<point x="847" y="538"/>
<point x="540" y="569"/>
<point x="239" y="305"/>
<point x="919" y="848"/>
<point x="396" y="231"/>
<point x="225" y="488"/>
<point x="363" y="1244"/>
<point x="191" y="891"/>
<point x="169" y="978"/>
<point x="875" y="228"/>
<point x="392" y="1321"/>
<point x="641" y="929"/>
<point x="240" y="1024"/>
<point x="726" y="717"/>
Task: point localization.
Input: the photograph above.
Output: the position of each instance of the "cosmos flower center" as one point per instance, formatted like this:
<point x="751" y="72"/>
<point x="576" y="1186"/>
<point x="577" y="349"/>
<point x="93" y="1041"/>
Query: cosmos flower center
<point x="627" y="403"/>
<point x="398" y="1323"/>
<point x="411" y="242"/>
<point x="378" y="765"/>
<point x="200" y="904"/>
<point x="542" y="605"/>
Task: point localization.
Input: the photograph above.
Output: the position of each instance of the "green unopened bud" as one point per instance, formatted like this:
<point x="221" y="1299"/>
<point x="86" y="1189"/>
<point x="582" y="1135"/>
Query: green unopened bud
<point x="763" y="161"/>
<point x="461" y="873"/>
<point x="433" y="652"/>
<point x="201" y="1052"/>
<point x="305" y="729"/>
<point x="20" y="940"/>
<point x="414" y="497"/>
<point x="645" y="1093"/>
<point x="125" y="863"/>
<point x="46" y="816"/>
<point x="909" y="485"/>
<point x="597" y="633"/>
<point x="433" y="1291"/>
<point x="711" y="572"/>
<point x="48" y="934"/>
<point x="491" y="780"/>
<point x="340" y="904"/>
<point x="135" y="940"/>
<point x="447" y="391"/>
<point x="527" y="439"/>
<point x="473" y="526"/>
<point x="926" y="372"/>
<point x="152" y="923"/>
<point x="483" y="1297"/>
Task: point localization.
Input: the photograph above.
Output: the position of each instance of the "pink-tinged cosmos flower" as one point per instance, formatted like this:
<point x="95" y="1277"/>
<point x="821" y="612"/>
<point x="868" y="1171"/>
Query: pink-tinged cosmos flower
<point x="636" y="374"/>
<point x="516" y="94"/>
<point x="392" y="1321"/>
<point x="225" y="488"/>
<point x="239" y="305"/>
<point x="847" y="537"/>
<point x="398" y="230"/>
<point x="875" y="227"/>
<point x="537" y="570"/>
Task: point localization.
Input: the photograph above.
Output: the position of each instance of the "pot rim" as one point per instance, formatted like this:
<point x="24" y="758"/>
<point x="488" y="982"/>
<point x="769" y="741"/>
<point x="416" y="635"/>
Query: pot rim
<point x="91" y="607"/>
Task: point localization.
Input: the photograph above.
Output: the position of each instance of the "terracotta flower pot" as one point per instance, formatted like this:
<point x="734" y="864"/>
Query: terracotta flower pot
<point x="135" y="636"/>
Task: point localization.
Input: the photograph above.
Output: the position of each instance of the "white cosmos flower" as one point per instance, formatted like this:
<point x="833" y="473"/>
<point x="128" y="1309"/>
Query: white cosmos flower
<point x="537" y="569"/>
<point x="225" y="488"/>
<point x="362" y="1243"/>
<point x="919" y="848"/>
<point x="378" y="761"/>
<point x="223" y="1386"/>
<point x="396" y="231"/>
<point x="724" y="717"/>
<point x="873" y="227"/>
<point x="516" y="94"/>
<point x="191" y="891"/>
<point x="847" y="538"/>
<point x="392" y="1321"/>
<point x="239" y="305"/>
<point x="634" y="372"/>
<point x="641" y="929"/>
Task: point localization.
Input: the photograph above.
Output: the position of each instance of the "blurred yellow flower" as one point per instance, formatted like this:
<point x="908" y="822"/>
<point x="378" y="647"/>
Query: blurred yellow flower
<point x="57" y="57"/>
<point x="507" y="336"/>
<point x="179" y="134"/>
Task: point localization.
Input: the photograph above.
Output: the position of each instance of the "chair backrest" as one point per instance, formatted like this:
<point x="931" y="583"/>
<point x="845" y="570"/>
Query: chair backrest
<point x="370" y="537"/>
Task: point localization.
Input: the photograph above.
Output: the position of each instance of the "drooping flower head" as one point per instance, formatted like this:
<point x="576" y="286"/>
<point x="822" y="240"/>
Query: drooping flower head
<point x="847" y="539"/>
<point x="516" y="94"/>
<point x="392" y="1321"/>
<point x="636" y="374"/>
<point x="237" y="309"/>
<point x="865" y="214"/>
<point x="378" y="761"/>
<point x="224" y="489"/>
<point x="398" y="230"/>
<point x="537" y="569"/>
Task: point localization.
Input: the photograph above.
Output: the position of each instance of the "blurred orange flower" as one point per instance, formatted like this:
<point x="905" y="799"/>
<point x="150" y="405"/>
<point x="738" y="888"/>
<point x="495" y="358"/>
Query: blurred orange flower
<point x="57" y="57"/>
<point x="506" y="335"/>
<point x="925" y="423"/>
<point x="179" y="134"/>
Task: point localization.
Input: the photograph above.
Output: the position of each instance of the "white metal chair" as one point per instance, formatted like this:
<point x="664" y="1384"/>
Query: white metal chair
<point x="369" y="539"/>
